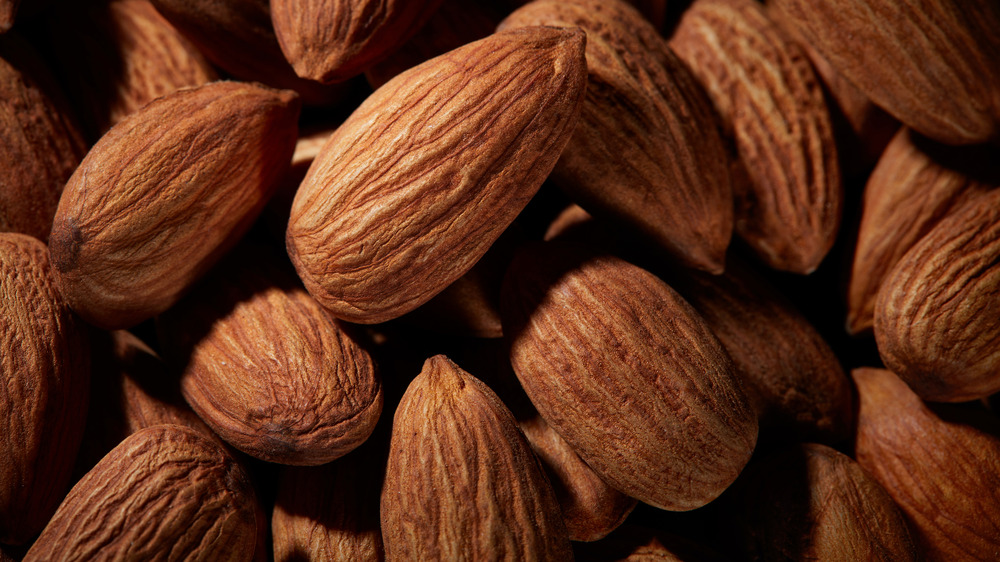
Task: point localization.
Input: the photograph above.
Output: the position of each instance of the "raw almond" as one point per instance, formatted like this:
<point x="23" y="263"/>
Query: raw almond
<point x="422" y="178"/>
<point x="8" y="9"/>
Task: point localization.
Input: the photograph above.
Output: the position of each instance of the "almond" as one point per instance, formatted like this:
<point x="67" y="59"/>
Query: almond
<point x="45" y="371"/>
<point x="166" y="489"/>
<point x="772" y="104"/>
<point x="646" y="149"/>
<point x="629" y="375"/>
<point x="8" y="9"/>
<point x="461" y="482"/>
<point x="164" y="194"/>
<point x="422" y="178"/>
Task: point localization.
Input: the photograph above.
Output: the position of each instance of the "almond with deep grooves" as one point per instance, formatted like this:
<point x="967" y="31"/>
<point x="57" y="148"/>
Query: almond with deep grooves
<point x="937" y="315"/>
<point x="166" y="491"/>
<point x="422" y="178"/>
<point x="44" y="366"/>
<point x="629" y="375"/>
<point x="646" y="149"/>
<point x="165" y="193"/>
<point x="939" y="466"/>
<point x="461" y="482"/>
<point x="772" y="103"/>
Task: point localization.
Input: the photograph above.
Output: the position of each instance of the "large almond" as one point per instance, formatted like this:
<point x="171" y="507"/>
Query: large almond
<point x="165" y="193"/>
<point x="420" y="180"/>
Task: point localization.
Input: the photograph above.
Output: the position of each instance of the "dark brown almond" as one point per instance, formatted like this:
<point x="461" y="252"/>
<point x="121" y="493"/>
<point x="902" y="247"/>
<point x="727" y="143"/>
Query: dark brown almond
<point x="772" y="104"/>
<point x="8" y="9"/>
<point x="461" y="480"/>
<point x="165" y="193"/>
<point x="646" y="150"/>
<point x="415" y="186"/>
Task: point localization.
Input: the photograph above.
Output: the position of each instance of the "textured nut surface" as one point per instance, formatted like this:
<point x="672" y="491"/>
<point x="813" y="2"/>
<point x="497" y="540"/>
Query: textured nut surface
<point x="44" y="369"/>
<point x="164" y="193"/>
<point x="166" y="492"/>
<point x="422" y="178"/>
<point x="628" y="374"/>
<point x="646" y="150"/>
<point x="8" y="9"/>
<point x="461" y="481"/>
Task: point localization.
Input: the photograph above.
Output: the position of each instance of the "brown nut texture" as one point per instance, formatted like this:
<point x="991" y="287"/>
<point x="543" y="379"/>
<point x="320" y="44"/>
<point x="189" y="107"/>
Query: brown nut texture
<point x="461" y="481"/>
<point x="421" y="179"/>
<point x="166" y="492"/>
<point x="628" y="374"/>
<point x="164" y="194"/>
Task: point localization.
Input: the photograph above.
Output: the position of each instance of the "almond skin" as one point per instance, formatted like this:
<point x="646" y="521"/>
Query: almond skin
<point x="422" y="178"/>
<point x="629" y="375"/>
<point x="941" y="467"/>
<point x="333" y="40"/>
<point x="45" y="369"/>
<point x="772" y="104"/>
<point x="461" y="481"/>
<point x="936" y="313"/>
<point x="8" y="9"/>
<point x="646" y="149"/>
<point x="164" y="194"/>
<point x="165" y="489"/>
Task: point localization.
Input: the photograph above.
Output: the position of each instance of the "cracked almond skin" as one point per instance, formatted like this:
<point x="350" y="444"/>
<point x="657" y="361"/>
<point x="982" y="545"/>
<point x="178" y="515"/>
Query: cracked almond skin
<point x="936" y="316"/>
<point x="628" y="373"/>
<point x="646" y="150"/>
<point x="164" y="194"/>
<point x="333" y="40"/>
<point x="462" y="482"/>
<point x="412" y="189"/>
<point x="934" y="65"/>
<point x="772" y="104"/>
<point x="165" y="492"/>
<point x="915" y="184"/>
<point x="305" y="397"/>
<point x="45" y="368"/>
<point x="941" y="466"/>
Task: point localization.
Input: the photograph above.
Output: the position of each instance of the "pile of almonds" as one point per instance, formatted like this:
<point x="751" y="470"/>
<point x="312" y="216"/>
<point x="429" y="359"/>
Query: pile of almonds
<point x="453" y="280"/>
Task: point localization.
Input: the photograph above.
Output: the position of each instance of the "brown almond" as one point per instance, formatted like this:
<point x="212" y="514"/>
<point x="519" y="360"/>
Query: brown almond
<point x="916" y="183"/>
<point x="165" y="489"/>
<point x="629" y="375"/>
<point x="8" y="10"/>
<point x="941" y="468"/>
<point x="646" y="150"/>
<point x="772" y="104"/>
<point x="461" y="480"/>
<point x="936" y="312"/>
<point x="164" y="194"/>
<point x="421" y="179"/>
<point x="45" y="368"/>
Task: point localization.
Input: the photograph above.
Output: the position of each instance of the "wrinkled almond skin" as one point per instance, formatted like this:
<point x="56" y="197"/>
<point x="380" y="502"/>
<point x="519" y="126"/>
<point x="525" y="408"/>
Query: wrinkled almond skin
<point x="268" y="369"/>
<point x="934" y="65"/>
<point x="422" y="178"/>
<point x="772" y="104"/>
<point x="646" y="149"/>
<point x="914" y="186"/>
<point x="164" y="194"/>
<point x="44" y="369"/>
<point x="936" y="316"/>
<point x="37" y="133"/>
<point x="461" y="482"/>
<point x="940" y="468"/>
<point x="629" y="375"/>
<point x="333" y="40"/>
<point x="811" y="502"/>
<point x="165" y="492"/>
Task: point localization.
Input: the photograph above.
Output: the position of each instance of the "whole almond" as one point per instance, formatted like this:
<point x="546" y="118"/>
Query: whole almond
<point x="646" y="149"/>
<point x="45" y="368"/>
<point x="772" y="104"/>
<point x="629" y="375"/>
<point x="461" y="482"/>
<point x="936" y="313"/>
<point x="422" y="178"/>
<point x="164" y="194"/>
<point x="8" y="9"/>
<point x="166" y="489"/>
